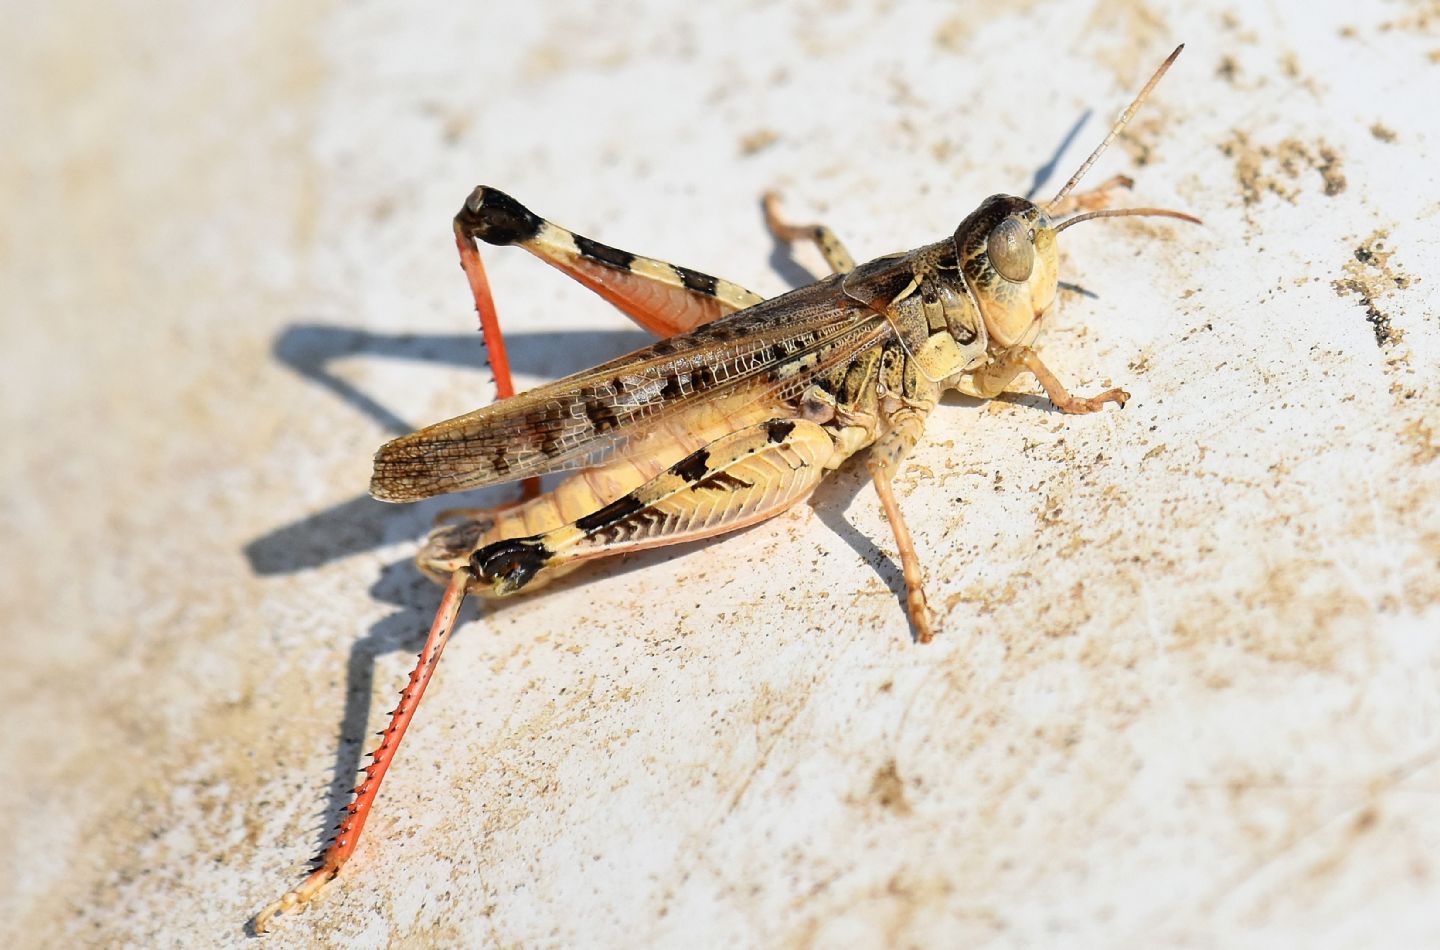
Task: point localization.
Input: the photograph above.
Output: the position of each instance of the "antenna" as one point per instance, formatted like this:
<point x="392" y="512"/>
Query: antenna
<point x="1126" y="213"/>
<point x="1119" y="124"/>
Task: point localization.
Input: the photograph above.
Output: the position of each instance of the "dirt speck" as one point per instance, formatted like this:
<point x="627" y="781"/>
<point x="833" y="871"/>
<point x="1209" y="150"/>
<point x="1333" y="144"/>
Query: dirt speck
<point x="888" y="789"/>
<point x="953" y="33"/>
<point x="1139" y="138"/>
<point x="1232" y="23"/>
<point x="1369" y="276"/>
<point x="1382" y="132"/>
<point x="1228" y="69"/>
<point x="1328" y="166"/>
<point x="758" y="141"/>
<point x="1279" y="168"/>
<point x="1129" y="26"/>
<point x="1422" y="18"/>
<point x="944" y="149"/>
<point x="1419" y="434"/>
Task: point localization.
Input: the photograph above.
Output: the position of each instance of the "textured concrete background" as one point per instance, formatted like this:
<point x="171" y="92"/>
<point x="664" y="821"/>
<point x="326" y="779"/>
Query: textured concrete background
<point x="1186" y="689"/>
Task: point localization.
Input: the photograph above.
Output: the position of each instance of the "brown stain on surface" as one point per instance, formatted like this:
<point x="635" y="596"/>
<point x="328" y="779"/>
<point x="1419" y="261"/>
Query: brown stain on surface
<point x="1421" y="436"/>
<point x="1423" y="18"/>
<point x="758" y="141"/>
<point x="1369" y="276"/>
<point x="1119" y="31"/>
<point x="887" y="789"/>
<point x="1280" y="168"/>
<point x="1141" y="136"/>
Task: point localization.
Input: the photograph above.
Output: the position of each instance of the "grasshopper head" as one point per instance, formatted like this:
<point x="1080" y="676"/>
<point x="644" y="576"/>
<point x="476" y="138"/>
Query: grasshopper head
<point x="1006" y="250"/>
<point x="1006" y="247"/>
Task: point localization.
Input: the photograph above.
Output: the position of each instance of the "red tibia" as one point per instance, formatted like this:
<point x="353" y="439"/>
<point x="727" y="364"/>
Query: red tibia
<point x="359" y="810"/>
<point x="353" y="820"/>
<point x="485" y="306"/>
<point x="490" y="329"/>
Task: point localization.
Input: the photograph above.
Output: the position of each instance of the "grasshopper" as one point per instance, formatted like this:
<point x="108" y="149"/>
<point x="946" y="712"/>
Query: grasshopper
<point x="732" y="417"/>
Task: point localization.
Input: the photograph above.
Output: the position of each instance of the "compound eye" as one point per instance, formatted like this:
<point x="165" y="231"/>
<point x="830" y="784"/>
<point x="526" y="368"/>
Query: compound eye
<point x="1011" y="251"/>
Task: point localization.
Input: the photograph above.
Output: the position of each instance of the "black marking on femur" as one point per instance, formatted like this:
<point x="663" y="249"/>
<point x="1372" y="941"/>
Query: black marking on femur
<point x="496" y="218"/>
<point x="619" y="509"/>
<point x="694" y="466"/>
<point x="601" y="416"/>
<point x="696" y="281"/>
<point x="640" y="523"/>
<point x="723" y="481"/>
<point x="513" y="562"/>
<point x="604" y="253"/>
<point x="778" y="430"/>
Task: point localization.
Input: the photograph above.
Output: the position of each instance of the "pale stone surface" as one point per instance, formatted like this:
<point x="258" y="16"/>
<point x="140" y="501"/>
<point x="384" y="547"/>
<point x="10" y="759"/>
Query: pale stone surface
<point x="1186" y="690"/>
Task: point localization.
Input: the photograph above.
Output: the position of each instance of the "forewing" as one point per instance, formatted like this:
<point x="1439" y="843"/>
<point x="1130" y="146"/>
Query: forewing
<point x="770" y="349"/>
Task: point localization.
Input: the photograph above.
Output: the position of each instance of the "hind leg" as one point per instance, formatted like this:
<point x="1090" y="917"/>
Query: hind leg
<point x="830" y="247"/>
<point x="739" y="479"/>
<point x="665" y="299"/>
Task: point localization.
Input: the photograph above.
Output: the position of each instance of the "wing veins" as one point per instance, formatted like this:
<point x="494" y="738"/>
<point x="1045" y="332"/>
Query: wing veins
<point x="576" y="422"/>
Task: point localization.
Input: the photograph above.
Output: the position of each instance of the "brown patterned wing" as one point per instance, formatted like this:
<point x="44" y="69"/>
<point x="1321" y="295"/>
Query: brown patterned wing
<point x="769" y="350"/>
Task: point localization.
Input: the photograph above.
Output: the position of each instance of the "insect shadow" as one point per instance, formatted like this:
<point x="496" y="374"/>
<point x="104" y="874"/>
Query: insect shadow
<point x="361" y="523"/>
<point x="1044" y="173"/>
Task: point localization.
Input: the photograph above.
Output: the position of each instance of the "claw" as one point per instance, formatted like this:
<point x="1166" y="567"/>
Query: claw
<point x="298" y="899"/>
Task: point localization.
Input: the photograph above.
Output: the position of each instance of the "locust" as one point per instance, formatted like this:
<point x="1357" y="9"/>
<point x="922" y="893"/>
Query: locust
<point x="734" y="415"/>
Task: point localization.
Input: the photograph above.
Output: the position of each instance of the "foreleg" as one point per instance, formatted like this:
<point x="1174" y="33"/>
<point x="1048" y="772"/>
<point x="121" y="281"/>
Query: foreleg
<point x="989" y="381"/>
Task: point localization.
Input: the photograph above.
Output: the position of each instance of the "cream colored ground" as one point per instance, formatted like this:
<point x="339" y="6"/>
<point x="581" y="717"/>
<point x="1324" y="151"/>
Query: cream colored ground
<point x="1188" y="688"/>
